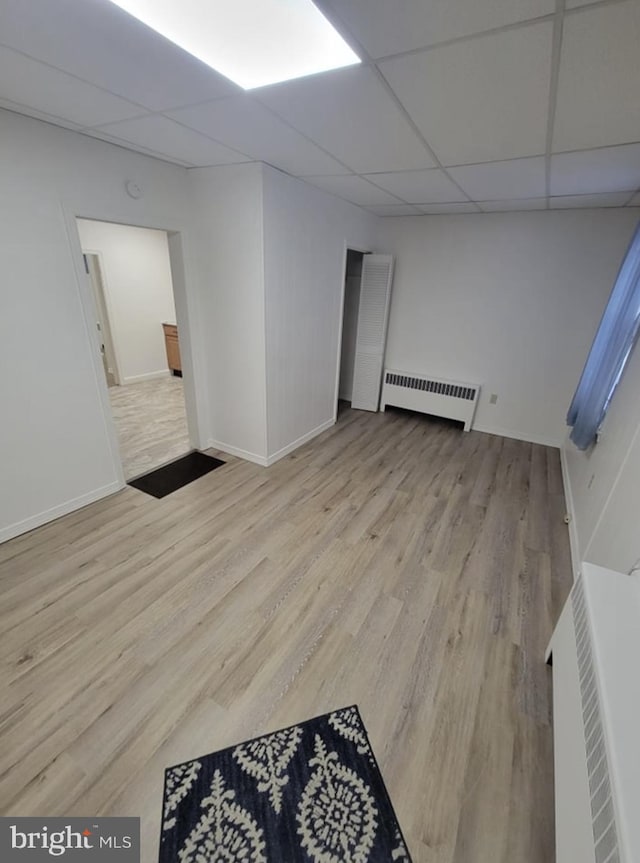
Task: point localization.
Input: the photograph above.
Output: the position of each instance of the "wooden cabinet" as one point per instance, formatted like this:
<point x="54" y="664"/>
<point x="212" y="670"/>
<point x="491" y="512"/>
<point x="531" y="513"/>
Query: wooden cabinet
<point x="173" y="348"/>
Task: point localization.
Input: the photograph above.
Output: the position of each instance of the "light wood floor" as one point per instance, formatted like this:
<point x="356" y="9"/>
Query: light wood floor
<point x="394" y="562"/>
<point x="151" y="422"/>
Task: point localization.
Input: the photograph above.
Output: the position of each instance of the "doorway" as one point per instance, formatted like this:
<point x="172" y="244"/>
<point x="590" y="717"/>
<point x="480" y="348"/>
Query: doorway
<point x="350" y="307"/>
<point x="130" y="279"/>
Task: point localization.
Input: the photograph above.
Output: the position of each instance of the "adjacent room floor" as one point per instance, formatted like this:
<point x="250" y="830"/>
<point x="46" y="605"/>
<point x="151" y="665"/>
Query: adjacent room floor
<point x="151" y="422"/>
<point x="395" y="563"/>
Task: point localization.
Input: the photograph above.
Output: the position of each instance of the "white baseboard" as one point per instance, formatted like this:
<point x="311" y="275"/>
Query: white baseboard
<point x="281" y="453"/>
<point x="240" y="453"/>
<point x="61" y="509"/>
<point x="573" y="527"/>
<point x="516" y="435"/>
<point x="148" y="376"/>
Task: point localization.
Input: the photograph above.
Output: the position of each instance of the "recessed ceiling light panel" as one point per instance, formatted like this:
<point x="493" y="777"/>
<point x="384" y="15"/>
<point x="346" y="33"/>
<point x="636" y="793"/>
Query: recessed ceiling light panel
<point x="252" y="42"/>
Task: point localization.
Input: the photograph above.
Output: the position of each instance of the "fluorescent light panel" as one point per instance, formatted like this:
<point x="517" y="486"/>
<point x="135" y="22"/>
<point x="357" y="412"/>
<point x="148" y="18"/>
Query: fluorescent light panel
<point x="252" y="42"/>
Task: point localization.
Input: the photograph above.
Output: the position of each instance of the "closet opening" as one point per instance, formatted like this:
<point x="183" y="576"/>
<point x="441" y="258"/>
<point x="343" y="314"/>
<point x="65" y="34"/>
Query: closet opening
<point x="350" y="307"/>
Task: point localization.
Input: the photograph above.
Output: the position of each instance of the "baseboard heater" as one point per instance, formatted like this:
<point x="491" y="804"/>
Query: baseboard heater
<point x="596" y="719"/>
<point x="441" y="398"/>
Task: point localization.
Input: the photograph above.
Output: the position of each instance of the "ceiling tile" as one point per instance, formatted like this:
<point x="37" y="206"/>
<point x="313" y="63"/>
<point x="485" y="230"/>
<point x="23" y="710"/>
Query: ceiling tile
<point x="612" y="169"/>
<point x="395" y="210"/>
<point x="598" y="88"/>
<point x="57" y="94"/>
<point x="102" y="44"/>
<point x="516" y="204"/>
<point x="166" y="137"/>
<point x="574" y="4"/>
<point x="385" y="28"/>
<point x="431" y="186"/>
<point x="350" y="114"/>
<point x="612" y="199"/>
<point x="481" y="100"/>
<point x="442" y="209"/>
<point x="246" y="125"/>
<point x="496" y="181"/>
<point x="353" y="189"/>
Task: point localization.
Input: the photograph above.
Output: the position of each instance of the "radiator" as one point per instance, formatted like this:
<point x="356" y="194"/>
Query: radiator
<point x="596" y="708"/>
<point x="441" y="398"/>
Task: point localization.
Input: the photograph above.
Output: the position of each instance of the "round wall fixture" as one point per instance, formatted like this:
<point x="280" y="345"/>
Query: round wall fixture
<point x="133" y="189"/>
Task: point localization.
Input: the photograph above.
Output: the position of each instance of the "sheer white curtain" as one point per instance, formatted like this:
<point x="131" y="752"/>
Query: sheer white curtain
<point x="610" y="351"/>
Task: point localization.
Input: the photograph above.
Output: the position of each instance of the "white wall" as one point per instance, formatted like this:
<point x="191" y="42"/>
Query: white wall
<point x="306" y="233"/>
<point x="136" y="275"/>
<point x="228" y="208"/>
<point x="258" y="269"/>
<point x="509" y="301"/>
<point x="604" y="482"/>
<point x="271" y="252"/>
<point x="58" y="448"/>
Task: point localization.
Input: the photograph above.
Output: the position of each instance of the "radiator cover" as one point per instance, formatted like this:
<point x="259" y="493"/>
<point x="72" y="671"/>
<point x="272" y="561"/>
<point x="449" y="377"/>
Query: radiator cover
<point x="596" y="686"/>
<point x="437" y="396"/>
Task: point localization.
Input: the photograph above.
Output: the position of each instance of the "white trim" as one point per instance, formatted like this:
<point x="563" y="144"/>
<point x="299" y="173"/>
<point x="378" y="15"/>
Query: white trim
<point x="177" y="237"/>
<point x="281" y="453"/>
<point x="106" y="295"/>
<point x="516" y="435"/>
<point x="571" y="512"/>
<point x="264" y="390"/>
<point x="147" y="376"/>
<point x="186" y="302"/>
<point x="85" y="295"/>
<point x="240" y="453"/>
<point x="196" y="396"/>
<point x="59" y="510"/>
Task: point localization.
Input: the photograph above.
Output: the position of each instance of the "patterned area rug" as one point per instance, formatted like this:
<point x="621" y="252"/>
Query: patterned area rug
<point x="311" y="793"/>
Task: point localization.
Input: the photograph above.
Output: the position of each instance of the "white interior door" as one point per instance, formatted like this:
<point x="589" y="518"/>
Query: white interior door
<point x="373" y="317"/>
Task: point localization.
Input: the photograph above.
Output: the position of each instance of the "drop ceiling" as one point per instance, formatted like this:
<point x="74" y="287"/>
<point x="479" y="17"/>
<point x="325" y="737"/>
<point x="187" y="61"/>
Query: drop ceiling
<point x="459" y="106"/>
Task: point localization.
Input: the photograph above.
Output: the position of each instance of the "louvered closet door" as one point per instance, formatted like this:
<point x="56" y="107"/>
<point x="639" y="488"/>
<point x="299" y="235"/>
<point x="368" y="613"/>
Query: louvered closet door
<point x="373" y="316"/>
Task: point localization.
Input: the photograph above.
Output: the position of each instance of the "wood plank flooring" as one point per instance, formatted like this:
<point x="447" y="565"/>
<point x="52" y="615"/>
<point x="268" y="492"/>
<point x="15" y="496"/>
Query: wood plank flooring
<point x="151" y="422"/>
<point x="395" y="562"/>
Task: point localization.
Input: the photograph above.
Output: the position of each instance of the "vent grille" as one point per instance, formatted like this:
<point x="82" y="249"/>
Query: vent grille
<point x="455" y="391"/>
<point x="605" y="837"/>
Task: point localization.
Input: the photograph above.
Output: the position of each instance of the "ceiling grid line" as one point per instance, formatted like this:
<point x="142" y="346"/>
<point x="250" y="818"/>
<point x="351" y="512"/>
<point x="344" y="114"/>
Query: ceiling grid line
<point x="511" y="104"/>
<point x="305" y="136"/>
<point x="409" y="119"/>
<point x="71" y="75"/>
<point x="368" y="61"/>
<point x="281" y="119"/>
<point x="114" y="142"/>
<point x="491" y="31"/>
<point x="556" y="51"/>
<point x="470" y="37"/>
<point x="399" y="104"/>
<point x="583" y="6"/>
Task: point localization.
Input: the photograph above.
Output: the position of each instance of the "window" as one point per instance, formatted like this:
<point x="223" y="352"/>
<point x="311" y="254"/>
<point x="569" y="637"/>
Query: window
<point x="610" y="351"/>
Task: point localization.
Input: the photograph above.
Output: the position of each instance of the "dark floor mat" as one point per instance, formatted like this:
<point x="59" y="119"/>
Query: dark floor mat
<point x="170" y="477"/>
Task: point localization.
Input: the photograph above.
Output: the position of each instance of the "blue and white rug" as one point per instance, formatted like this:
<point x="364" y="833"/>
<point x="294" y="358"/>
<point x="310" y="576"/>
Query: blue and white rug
<point x="311" y="793"/>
